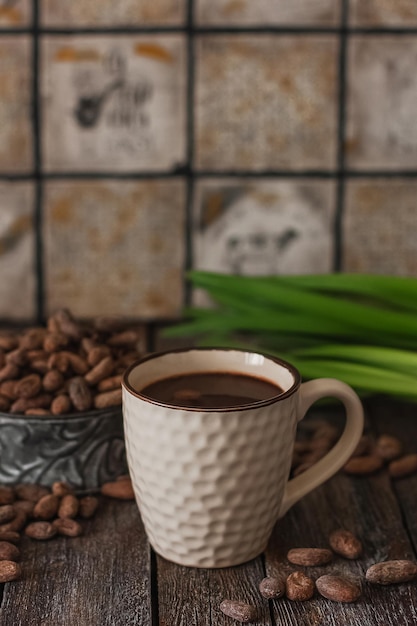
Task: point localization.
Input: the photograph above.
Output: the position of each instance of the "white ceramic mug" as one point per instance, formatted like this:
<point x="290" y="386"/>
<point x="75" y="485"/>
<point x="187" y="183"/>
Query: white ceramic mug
<point x="211" y="483"/>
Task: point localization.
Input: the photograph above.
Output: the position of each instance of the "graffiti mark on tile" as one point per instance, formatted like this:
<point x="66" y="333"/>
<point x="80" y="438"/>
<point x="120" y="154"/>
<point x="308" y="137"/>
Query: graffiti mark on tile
<point x="263" y="227"/>
<point x="114" y="104"/>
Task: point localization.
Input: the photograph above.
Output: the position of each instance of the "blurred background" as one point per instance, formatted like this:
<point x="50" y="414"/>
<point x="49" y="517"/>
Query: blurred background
<point x="141" y="138"/>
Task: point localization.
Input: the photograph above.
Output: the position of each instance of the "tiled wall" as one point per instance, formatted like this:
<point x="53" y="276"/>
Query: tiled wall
<point x="142" y="137"/>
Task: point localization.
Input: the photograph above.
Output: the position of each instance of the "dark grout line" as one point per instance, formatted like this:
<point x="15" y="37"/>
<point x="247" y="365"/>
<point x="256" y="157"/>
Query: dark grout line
<point x="188" y="261"/>
<point x="144" y="175"/>
<point x="210" y="30"/>
<point x="37" y="156"/>
<point x="341" y="132"/>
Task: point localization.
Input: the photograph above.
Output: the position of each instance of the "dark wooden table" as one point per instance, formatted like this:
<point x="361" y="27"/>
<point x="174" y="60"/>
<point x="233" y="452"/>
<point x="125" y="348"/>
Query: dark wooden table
<point x="110" y="576"/>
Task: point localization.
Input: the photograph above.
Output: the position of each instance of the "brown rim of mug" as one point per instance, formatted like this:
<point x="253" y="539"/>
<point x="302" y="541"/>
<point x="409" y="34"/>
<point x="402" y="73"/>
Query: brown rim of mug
<point x="239" y="407"/>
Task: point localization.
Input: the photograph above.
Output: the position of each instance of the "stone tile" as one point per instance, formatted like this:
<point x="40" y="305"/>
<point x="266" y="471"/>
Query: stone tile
<point x="383" y="13"/>
<point x="17" y="256"/>
<point x="110" y="13"/>
<point x="15" y="104"/>
<point x="114" y="103"/>
<point x="265" y="102"/>
<point x="380" y="227"/>
<point x="382" y="96"/>
<point x="15" y="13"/>
<point x="108" y="249"/>
<point x="250" y="12"/>
<point x="263" y="226"/>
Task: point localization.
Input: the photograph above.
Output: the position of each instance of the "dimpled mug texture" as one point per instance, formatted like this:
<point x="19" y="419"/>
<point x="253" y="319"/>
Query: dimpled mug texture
<point x="209" y="485"/>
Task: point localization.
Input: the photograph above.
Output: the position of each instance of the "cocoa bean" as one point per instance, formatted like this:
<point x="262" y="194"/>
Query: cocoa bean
<point x="53" y="342"/>
<point x="69" y="506"/>
<point x="88" y="506"/>
<point x="78" y="364"/>
<point x="61" y="405"/>
<point x="32" y="339"/>
<point x="9" y="535"/>
<point x="17" y="357"/>
<point x="309" y="556"/>
<point x="52" y="380"/>
<point x="40" y="366"/>
<point x="80" y="394"/>
<point x="388" y="447"/>
<point x="9" y="570"/>
<point x="31" y="491"/>
<point x="60" y="489"/>
<point x="68" y="325"/>
<point x="35" y="355"/>
<point x="21" y="405"/>
<point x="272" y="587"/>
<point x="7" y="389"/>
<point x="108" y="398"/>
<point x="361" y="465"/>
<point x="119" y="489"/>
<point x="28" y="386"/>
<point x="24" y="505"/>
<point x="59" y="361"/>
<point x="108" y="384"/>
<point x="97" y="354"/>
<point x="103" y="369"/>
<point x="46" y="508"/>
<point x="40" y="530"/>
<point x="338" y="588"/>
<point x="240" y="611"/>
<point x="345" y="543"/>
<point x="326" y="431"/>
<point x="7" y="513"/>
<point x="8" y="342"/>
<point x="87" y="344"/>
<point x="392" y="572"/>
<point x="403" y="466"/>
<point x="7" y="495"/>
<point x="8" y="551"/>
<point x="123" y="339"/>
<point x="37" y="412"/>
<point x="17" y="523"/>
<point x="299" y="587"/>
<point x="67" y="527"/>
<point x="9" y="371"/>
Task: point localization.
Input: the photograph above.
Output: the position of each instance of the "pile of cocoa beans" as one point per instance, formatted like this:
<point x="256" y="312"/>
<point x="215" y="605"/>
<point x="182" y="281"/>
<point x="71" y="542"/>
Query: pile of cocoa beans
<point x="300" y="587"/>
<point x="316" y="437"/>
<point x="42" y="513"/>
<point x="66" y="367"/>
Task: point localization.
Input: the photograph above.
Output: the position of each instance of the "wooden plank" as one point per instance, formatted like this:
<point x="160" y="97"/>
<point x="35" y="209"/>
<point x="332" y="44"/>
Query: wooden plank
<point x="400" y="419"/>
<point x="191" y="597"/>
<point x="368" y="507"/>
<point x="101" y="578"/>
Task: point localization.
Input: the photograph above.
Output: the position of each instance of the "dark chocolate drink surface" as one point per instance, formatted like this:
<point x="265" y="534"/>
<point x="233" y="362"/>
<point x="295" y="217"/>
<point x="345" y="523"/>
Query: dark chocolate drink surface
<point x="211" y="390"/>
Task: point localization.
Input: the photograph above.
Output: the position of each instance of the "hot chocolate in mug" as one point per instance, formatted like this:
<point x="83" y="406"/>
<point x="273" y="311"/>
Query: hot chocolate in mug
<point x="209" y="440"/>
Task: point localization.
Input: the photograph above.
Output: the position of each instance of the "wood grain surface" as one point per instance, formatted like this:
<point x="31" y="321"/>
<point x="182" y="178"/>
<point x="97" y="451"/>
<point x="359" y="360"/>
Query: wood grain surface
<point x="110" y="575"/>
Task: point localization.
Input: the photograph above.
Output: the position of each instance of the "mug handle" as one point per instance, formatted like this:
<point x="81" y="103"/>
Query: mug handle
<point x="310" y="392"/>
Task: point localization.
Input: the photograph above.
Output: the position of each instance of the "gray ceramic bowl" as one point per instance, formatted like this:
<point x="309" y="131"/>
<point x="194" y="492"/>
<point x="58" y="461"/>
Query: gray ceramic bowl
<point x="84" y="449"/>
